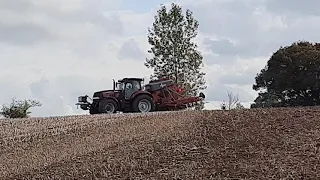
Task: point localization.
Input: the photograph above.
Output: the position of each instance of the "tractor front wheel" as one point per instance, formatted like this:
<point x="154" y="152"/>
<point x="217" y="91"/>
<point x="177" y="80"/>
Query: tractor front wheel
<point x="143" y="103"/>
<point x="108" y="106"/>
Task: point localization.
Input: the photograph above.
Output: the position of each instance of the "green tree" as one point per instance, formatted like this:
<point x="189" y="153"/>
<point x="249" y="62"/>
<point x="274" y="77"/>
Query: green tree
<point x="175" y="56"/>
<point x="18" y="109"/>
<point x="290" y="78"/>
<point x="223" y="106"/>
<point x="239" y="106"/>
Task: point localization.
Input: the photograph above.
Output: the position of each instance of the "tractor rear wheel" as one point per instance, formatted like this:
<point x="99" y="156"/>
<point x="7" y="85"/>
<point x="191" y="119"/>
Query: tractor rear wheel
<point x="143" y="103"/>
<point x="108" y="106"/>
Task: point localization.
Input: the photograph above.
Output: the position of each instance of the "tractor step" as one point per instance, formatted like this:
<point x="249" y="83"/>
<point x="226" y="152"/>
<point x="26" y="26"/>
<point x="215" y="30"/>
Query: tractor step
<point x="127" y="106"/>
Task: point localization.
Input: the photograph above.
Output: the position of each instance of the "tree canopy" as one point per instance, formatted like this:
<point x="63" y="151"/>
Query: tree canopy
<point x="175" y="56"/>
<point x="290" y="78"/>
<point x="18" y="108"/>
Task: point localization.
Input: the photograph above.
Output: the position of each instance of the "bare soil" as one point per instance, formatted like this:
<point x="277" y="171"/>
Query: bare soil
<point x="281" y="143"/>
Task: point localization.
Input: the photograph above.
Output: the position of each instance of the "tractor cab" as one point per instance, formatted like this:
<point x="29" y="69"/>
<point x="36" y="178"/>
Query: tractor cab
<point x="128" y="86"/>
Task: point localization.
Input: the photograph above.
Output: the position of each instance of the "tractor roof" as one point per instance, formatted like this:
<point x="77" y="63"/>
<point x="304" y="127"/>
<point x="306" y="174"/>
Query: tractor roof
<point x="130" y="79"/>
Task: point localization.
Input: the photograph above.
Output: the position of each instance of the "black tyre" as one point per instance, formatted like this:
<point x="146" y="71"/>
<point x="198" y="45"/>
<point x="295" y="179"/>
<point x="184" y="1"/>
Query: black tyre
<point x="143" y="103"/>
<point x="108" y="106"/>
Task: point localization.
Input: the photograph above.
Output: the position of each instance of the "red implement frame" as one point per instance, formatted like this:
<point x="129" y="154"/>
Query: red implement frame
<point x="170" y="98"/>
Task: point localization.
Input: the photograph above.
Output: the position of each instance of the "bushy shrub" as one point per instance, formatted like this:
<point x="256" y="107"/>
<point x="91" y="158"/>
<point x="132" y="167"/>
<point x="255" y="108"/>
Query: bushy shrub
<point x="18" y="108"/>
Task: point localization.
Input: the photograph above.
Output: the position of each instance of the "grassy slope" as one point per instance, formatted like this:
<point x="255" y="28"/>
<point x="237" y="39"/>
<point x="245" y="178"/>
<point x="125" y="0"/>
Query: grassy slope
<point x="256" y="144"/>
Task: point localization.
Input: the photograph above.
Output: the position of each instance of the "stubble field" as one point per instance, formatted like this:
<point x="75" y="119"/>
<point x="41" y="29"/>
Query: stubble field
<point x="278" y="143"/>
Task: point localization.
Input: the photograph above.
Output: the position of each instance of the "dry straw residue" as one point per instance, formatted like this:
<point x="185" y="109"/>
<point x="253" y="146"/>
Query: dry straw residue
<point x="278" y="143"/>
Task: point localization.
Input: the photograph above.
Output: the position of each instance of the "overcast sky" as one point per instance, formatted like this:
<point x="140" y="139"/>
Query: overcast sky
<point x="56" y="50"/>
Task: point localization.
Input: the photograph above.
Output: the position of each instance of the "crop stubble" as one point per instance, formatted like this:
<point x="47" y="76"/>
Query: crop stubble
<point x="247" y="144"/>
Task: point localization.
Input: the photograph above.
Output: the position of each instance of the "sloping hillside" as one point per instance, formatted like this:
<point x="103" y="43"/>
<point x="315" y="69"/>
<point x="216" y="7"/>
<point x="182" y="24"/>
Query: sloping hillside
<point x="249" y="144"/>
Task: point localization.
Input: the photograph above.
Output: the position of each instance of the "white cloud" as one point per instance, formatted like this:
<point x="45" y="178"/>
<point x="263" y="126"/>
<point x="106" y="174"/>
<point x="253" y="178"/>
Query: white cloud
<point x="130" y="50"/>
<point x="56" y="50"/>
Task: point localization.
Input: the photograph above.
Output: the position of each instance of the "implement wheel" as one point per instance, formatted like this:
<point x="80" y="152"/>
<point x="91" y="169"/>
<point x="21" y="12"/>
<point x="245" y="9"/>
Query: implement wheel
<point x="143" y="103"/>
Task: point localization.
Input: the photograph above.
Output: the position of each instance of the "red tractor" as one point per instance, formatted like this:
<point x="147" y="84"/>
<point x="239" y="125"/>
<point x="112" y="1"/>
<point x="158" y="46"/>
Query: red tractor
<point x="129" y="95"/>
